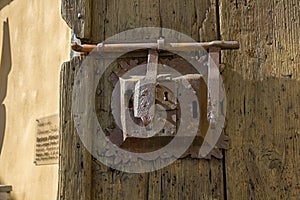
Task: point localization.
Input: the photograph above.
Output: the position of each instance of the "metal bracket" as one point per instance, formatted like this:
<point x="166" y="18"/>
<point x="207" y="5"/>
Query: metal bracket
<point x="144" y="95"/>
<point x="172" y="46"/>
<point x="145" y="87"/>
<point x="213" y="85"/>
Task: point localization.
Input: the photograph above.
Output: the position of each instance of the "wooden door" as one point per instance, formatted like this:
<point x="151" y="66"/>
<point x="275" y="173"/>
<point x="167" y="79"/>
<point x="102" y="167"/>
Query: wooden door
<point x="263" y="101"/>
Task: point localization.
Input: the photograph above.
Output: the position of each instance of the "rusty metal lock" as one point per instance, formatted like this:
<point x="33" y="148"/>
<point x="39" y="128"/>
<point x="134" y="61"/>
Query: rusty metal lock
<point x="144" y="100"/>
<point x="141" y="128"/>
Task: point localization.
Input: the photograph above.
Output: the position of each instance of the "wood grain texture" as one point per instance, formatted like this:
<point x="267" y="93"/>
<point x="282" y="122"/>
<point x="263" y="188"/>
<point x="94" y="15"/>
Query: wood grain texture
<point x="100" y="20"/>
<point x="184" y="179"/>
<point x="77" y="16"/>
<point x="263" y="98"/>
<point x="83" y="178"/>
<point x="124" y="15"/>
<point x="74" y="161"/>
<point x="263" y="102"/>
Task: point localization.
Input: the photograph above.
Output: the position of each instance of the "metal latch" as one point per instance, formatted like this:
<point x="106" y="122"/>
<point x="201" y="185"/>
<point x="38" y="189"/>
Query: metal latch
<point x="144" y="93"/>
<point x="146" y="90"/>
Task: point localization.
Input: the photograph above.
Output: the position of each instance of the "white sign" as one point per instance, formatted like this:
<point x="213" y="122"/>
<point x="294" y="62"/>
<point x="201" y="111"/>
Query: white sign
<point x="47" y="141"/>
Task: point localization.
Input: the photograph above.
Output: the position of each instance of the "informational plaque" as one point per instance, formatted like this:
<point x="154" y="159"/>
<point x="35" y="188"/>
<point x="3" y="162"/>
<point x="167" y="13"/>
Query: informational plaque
<point x="47" y="141"/>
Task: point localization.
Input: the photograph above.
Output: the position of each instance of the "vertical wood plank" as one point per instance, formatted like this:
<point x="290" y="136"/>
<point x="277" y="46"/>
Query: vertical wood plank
<point x="98" y="20"/>
<point x="187" y="179"/>
<point x="78" y="16"/>
<point x="93" y="20"/>
<point x="188" y="17"/>
<point x="124" y="15"/>
<point x="74" y="161"/>
<point x="263" y="90"/>
<point x="184" y="179"/>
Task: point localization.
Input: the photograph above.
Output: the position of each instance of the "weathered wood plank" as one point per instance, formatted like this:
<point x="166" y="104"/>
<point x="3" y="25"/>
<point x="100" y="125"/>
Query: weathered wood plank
<point x="74" y="161"/>
<point x="187" y="179"/>
<point x="188" y="16"/>
<point x="93" y="20"/>
<point x="124" y="15"/>
<point x="78" y="16"/>
<point x="263" y="95"/>
<point x="112" y="184"/>
<point x="98" y="21"/>
<point x="209" y="24"/>
<point x="184" y="179"/>
<point x="186" y="171"/>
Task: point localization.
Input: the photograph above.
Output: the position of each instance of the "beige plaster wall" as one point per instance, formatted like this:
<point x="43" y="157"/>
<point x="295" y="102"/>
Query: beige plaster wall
<point x="39" y="43"/>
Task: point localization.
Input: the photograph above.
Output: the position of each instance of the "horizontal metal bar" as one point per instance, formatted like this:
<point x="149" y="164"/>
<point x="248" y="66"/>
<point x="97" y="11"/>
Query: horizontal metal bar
<point x="86" y="48"/>
<point x="126" y="47"/>
<point x="204" y="45"/>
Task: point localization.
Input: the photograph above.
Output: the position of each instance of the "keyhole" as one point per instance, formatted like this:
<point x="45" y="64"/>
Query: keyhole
<point x="166" y="96"/>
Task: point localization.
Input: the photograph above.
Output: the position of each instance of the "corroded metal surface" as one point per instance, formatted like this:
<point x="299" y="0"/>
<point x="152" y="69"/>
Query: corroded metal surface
<point x="136" y="138"/>
<point x="125" y="47"/>
<point x="144" y="94"/>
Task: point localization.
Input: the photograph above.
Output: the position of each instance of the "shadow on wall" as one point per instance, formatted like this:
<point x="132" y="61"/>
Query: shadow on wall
<point x="5" y="67"/>
<point x="3" y="3"/>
